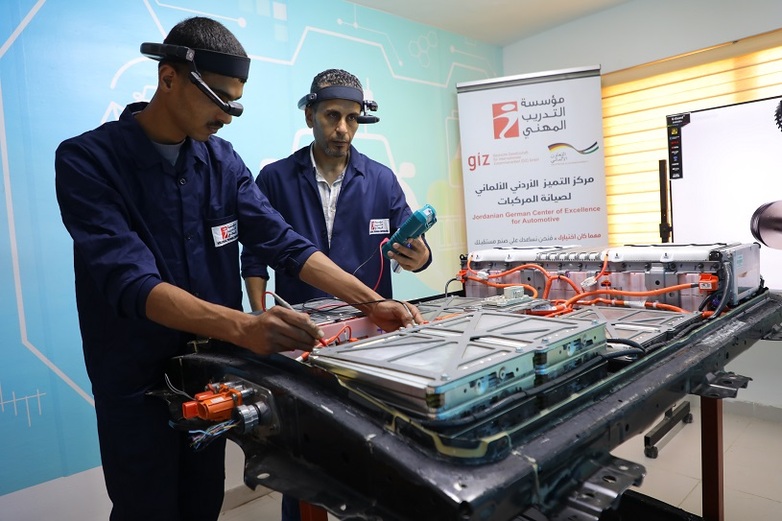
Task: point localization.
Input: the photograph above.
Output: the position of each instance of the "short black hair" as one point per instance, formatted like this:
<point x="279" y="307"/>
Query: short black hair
<point x="335" y="77"/>
<point x="204" y="33"/>
<point x="199" y="32"/>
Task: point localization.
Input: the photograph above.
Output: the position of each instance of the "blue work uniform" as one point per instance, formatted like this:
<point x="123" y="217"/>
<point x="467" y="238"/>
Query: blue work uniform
<point x="136" y="221"/>
<point x="370" y="208"/>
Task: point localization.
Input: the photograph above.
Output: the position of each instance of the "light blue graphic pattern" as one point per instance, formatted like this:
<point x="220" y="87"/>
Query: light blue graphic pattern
<point x="67" y="66"/>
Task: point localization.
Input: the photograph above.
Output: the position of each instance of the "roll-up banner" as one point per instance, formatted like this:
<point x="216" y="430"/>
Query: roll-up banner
<point x="532" y="159"/>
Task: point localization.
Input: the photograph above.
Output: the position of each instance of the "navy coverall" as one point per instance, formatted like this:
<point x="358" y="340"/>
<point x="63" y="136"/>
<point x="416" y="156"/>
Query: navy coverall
<point x="370" y="208"/>
<point x="137" y="221"/>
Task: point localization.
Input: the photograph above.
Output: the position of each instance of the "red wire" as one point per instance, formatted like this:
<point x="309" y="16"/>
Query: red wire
<point x="382" y="263"/>
<point x="263" y="307"/>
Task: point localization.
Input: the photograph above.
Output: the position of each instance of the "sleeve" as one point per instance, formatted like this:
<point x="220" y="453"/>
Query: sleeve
<point x="99" y="220"/>
<point x="252" y="264"/>
<point x="266" y="236"/>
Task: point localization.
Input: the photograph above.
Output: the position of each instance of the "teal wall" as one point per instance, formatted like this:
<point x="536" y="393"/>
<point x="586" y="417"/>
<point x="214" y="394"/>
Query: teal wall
<point x="66" y="66"/>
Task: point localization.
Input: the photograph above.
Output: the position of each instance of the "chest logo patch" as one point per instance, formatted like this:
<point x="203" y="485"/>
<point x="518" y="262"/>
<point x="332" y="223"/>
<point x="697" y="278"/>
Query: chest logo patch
<point x="225" y="233"/>
<point x="379" y="227"/>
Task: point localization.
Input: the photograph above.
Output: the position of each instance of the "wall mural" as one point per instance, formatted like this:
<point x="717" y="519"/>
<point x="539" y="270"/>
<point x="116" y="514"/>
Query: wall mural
<point x="67" y="66"/>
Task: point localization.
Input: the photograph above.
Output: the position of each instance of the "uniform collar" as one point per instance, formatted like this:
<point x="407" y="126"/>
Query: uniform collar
<point x="356" y="162"/>
<point x="138" y="140"/>
<point x="340" y="177"/>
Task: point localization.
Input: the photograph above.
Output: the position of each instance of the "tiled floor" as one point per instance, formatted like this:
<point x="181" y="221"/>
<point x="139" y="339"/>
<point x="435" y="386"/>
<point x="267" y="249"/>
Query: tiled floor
<point x="266" y="508"/>
<point x="752" y="477"/>
<point x="753" y="480"/>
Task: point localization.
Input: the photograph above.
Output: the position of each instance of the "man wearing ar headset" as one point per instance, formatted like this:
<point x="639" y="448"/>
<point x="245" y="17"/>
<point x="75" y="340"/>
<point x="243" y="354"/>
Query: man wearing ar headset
<point x="340" y="199"/>
<point x="157" y="205"/>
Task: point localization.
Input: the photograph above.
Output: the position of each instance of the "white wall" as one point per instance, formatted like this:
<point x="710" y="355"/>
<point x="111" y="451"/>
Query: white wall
<point x="643" y="31"/>
<point x="640" y="32"/>
<point x="762" y="363"/>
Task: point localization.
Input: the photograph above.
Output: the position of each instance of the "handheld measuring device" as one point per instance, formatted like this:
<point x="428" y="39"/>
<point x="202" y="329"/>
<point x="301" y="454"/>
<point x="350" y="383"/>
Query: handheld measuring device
<point x="419" y="222"/>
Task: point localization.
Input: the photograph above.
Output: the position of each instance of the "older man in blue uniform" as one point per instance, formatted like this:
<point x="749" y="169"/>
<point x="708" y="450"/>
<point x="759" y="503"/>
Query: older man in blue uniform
<point x="344" y="202"/>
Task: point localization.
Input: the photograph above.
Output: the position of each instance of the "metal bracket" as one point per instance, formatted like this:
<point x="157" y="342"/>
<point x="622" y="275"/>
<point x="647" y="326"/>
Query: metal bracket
<point x="721" y="385"/>
<point x="673" y="416"/>
<point x="774" y="334"/>
<point x="600" y="491"/>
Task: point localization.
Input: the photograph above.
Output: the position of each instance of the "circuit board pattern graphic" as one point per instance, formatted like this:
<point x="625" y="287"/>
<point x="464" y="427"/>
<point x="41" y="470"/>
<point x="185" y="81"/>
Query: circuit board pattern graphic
<point x="67" y="67"/>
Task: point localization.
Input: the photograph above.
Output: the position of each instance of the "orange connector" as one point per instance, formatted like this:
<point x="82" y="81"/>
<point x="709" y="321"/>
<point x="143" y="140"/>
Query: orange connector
<point x="213" y="405"/>
<point x="708" y="282"/>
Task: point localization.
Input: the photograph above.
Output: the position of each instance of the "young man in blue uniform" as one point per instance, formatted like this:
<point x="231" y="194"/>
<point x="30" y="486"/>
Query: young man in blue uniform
<point x="341" y="200"/>
<point x="338" y="198"/>
<point x="157" y="205"/>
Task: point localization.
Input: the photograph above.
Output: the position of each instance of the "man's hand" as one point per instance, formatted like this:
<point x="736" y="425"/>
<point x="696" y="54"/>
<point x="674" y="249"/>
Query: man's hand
<point x="391" y="315"/>
<point x="279" y="329"/>
<point x="321" y="272"/>
<point x="412" y="256"/>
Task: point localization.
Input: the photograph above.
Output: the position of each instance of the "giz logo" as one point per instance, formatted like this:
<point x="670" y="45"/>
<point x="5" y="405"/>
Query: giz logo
<point x="477" y="160"/>
<point x="506" y="119"/>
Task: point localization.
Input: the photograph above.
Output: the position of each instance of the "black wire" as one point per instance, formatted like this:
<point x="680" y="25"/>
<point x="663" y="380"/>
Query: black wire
<point x="175" y="390"/>
<point x="676" y="337"/>
<point x="375" y="250"/>
<point x="511" y="399"/>
<point x="306" y="306"/>
<point x="725" y="290"/>
<point x="445" y="292"/>
<point x="344" y="304"/>
<point x="627" y="342"/>
<point x="705" y="302"/>
<point x="333" y="306"/>
<point x="625" y="352"/>
<point x="537" y="390"/>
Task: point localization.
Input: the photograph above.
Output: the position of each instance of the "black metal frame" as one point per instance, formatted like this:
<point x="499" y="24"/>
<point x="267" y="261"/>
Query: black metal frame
<point x="671" y="418"/>
<point x="330" y="449"/>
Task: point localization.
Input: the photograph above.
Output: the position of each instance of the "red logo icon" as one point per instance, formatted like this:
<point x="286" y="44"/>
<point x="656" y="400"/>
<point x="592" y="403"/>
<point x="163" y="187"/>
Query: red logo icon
<point x="506" y="119"/>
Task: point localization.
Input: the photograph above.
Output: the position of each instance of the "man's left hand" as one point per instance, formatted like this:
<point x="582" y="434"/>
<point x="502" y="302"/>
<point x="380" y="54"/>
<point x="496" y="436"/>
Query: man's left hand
<point x="411" y="256"/>
<point x="391" y="315"/>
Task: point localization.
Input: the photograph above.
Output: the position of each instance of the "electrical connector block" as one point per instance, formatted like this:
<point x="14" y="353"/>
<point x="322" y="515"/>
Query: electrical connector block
<point x="515" y="293"/>
<point x="504" y="300"/>
<point x="708" y="282"/>
<point x="216" y="403"/>
<point x="589" y="283"/>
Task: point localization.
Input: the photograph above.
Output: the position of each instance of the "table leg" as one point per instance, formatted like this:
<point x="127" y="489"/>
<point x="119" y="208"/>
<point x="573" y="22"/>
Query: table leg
<point x="712" y="459"/>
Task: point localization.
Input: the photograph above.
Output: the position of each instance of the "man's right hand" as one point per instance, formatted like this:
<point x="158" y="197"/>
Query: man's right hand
<point x="279" y="329"/>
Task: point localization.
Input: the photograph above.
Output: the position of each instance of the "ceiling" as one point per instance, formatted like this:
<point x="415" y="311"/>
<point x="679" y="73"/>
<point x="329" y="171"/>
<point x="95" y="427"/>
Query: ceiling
<point x="496" y="22"/>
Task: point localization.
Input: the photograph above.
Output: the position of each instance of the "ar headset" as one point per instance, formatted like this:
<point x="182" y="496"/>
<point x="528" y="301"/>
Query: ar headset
<point x="346" y="93"/>
<point x="213" y="61"/>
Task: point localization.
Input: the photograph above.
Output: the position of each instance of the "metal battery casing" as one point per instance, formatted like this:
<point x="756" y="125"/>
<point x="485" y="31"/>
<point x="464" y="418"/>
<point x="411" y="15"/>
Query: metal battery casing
<point x="453" y="366"/>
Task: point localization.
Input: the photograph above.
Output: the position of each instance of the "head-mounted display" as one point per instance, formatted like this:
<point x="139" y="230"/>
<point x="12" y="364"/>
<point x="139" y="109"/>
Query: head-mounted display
<point x="204" y="59"/>
<point x="346" y="93"/>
